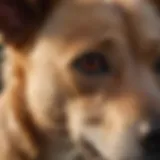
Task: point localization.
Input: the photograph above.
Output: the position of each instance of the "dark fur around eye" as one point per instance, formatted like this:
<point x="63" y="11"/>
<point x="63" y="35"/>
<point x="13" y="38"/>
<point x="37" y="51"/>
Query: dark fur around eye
<point x="92" y="63"/>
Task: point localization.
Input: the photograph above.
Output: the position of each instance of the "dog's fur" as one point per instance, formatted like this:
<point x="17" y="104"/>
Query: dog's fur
<point x="48" y="106"/>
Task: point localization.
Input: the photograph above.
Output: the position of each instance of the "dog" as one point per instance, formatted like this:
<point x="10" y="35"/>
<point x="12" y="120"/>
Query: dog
<point x="81" y="80"/>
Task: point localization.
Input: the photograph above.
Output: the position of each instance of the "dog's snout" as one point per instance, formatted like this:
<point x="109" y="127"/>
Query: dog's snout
<point x="151" y="141"/>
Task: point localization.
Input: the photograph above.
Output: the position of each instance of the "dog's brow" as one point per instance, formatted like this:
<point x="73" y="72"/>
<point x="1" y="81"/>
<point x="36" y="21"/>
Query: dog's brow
<point x="107" y="42"/>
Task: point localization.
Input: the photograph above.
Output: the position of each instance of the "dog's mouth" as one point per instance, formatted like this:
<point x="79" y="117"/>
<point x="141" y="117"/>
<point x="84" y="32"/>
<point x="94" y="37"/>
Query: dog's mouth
<point x="89" y="151"/>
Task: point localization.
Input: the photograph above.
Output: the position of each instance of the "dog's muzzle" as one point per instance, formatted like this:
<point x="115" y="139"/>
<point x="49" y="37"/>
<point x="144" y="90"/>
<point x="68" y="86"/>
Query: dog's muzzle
<point x="89" y="151"/>
<point x="150" y="149"/>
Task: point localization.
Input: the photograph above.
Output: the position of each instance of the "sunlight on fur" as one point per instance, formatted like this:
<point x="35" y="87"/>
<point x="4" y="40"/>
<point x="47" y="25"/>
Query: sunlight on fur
<point x="80" y="80"/>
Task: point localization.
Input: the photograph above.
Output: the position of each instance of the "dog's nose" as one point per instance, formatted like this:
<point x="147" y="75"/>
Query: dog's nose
<point x="151" y="142"/>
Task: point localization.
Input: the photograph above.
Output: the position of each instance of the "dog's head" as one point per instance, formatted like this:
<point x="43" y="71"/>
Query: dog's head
<point x="91" y="66"/>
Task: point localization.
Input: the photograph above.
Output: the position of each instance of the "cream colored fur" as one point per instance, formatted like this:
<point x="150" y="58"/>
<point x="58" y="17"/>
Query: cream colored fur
<point x="63" y="107"/>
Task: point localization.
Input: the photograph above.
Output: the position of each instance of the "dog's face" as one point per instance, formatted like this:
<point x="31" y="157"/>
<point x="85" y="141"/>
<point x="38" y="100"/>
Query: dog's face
<point x="93" y="68"/>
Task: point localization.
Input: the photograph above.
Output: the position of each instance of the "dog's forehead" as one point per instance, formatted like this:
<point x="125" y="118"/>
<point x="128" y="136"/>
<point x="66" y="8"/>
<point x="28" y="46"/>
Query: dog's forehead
<point x="88" y="21"/>
<point x="78" y="19"/>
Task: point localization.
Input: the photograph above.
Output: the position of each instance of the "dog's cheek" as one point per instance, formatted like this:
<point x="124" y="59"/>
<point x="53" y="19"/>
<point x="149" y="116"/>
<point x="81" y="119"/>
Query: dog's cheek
<point x="45" y="100"/>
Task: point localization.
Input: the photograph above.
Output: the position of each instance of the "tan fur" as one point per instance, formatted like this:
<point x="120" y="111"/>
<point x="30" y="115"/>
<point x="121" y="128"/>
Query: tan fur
<point x="47" y="104"/>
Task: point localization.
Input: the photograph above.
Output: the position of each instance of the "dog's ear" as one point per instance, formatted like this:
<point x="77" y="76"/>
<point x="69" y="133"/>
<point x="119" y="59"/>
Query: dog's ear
<point x="18" y="18"/>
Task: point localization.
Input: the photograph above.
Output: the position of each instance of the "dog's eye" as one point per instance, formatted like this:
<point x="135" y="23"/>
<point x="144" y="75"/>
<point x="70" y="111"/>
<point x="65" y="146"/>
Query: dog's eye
<point x="92" y="63"/>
